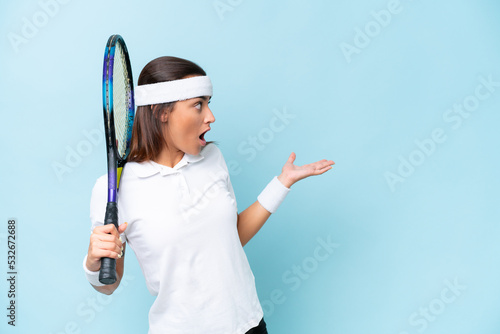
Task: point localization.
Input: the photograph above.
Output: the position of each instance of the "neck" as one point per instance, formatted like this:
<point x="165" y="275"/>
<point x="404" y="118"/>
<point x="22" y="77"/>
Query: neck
<point x="169" y="158"/>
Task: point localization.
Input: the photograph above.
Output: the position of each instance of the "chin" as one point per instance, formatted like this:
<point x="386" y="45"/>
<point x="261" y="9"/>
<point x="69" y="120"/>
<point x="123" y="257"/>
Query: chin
<point x="194" y="151"/>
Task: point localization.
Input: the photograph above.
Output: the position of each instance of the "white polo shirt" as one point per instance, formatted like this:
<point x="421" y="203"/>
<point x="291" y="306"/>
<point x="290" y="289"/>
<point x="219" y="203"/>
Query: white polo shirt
<point x="182" y="228"/>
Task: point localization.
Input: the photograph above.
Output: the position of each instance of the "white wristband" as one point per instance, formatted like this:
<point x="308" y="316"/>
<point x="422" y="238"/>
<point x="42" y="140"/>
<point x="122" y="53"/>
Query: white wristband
<point x="272" y="195"/>
<point x="92" y="276"/>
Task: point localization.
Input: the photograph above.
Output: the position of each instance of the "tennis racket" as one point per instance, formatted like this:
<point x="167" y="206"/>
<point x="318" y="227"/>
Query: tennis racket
<point x="118" y="106"/>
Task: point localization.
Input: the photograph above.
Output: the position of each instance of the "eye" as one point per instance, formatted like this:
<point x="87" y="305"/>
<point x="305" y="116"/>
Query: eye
<point x="198" y="105"/>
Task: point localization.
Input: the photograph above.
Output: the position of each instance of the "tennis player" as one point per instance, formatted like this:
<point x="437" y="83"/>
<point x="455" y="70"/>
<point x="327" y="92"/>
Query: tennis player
<point x="178" y="211"/>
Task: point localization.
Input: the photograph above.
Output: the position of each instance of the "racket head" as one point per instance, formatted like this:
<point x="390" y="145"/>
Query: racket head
<point x="118" y="107"/>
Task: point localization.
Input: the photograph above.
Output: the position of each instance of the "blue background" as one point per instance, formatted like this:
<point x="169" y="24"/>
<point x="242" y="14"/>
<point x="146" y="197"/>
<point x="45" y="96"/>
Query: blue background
<point x="398" y="245"/>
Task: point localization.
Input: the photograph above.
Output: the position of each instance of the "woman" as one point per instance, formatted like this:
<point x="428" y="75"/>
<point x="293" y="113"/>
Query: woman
<point x="178" y="211"/>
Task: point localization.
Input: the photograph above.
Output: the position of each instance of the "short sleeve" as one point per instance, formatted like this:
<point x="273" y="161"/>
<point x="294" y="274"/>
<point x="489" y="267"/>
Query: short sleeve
<point x="98" y="202"/>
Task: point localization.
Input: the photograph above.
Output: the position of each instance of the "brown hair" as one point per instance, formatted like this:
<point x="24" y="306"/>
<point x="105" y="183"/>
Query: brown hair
<point x="147" y="136"/>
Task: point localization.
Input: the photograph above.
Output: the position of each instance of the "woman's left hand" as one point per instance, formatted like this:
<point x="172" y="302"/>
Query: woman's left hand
<point x="291" y="173"/>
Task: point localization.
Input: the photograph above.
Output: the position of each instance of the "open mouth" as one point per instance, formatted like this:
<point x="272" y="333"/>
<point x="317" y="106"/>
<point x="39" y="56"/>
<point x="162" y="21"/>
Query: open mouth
<point x="202" y="138"/>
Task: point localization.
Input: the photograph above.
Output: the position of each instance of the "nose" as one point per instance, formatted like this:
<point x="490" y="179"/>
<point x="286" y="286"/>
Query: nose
<point x="209" y="117"/>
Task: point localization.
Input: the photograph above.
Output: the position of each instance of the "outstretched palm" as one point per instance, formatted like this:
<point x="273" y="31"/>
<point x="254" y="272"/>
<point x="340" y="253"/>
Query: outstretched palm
<point x="291" y="173"/>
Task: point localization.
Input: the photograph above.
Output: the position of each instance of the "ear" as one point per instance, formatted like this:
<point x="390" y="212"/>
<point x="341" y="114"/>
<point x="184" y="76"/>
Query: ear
<point x="164" y="115"/>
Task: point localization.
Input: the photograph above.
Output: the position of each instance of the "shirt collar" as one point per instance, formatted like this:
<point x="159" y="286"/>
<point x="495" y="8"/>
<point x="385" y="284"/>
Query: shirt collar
<point x="150" y="168"/>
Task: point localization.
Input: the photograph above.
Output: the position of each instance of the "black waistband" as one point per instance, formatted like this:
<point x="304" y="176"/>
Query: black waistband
<point x="260" y="329"/>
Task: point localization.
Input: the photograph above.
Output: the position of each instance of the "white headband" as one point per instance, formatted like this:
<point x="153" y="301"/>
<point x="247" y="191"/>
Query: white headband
<point x="171" y="91"/>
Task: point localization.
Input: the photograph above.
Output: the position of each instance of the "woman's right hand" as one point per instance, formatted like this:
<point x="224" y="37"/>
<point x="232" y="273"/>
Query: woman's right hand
<point x="104" y="242"/>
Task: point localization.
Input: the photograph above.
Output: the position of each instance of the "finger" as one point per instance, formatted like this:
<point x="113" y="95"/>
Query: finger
<point x="323" y="163"/>
<point x="105" y="229"/>
<point x="100" y="253"/>
<point x="105" y="241"/>
<point x="314" y="166"/>
<point x="326" y="161"/>
<point x="122" y="228"/>
<point x="111" y="230"/>
<point x="291" y="158"/>
<point x="97" y="237"/>
<point x="104" y="246"/>
<point x="105" y="237"/>
<point x="323" y="170"/>
<point x="318" y="164"/>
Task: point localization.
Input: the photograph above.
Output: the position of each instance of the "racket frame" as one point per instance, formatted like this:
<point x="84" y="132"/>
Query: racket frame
<point x="115" y="161"/>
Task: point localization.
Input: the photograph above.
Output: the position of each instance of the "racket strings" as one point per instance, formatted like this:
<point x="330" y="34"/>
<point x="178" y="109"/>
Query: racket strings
<point x="121" y="100"/>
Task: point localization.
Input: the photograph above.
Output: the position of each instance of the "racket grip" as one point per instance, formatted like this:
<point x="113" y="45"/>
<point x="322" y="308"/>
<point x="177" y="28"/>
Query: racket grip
<point x="107" y="274"/>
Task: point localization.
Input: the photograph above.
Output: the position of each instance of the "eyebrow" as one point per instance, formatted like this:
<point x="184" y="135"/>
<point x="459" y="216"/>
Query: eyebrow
<point x="204" y="98"/>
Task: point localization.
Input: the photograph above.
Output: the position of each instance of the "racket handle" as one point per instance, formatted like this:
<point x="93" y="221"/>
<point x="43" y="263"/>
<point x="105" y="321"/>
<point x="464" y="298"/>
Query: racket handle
<point x="107" y="274"/>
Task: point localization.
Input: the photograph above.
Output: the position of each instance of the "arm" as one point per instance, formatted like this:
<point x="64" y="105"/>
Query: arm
<point x="105" y="242"/>
<point x="250" y="221"/>
<point x="253" y="218"/>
